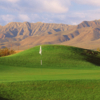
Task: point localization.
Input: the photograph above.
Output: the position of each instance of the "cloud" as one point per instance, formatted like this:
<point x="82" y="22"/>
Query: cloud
<point x="23" y="17"/>
<point x="54" y="6"/>
<point x="93" y="14"/>
<point x="34" y="17"/>
<point x="78" y="16"/>
<point x="7" y="18"/>
<point x="89" y="2"/>
<point x="11" y="1"/>
<point x="74" y="23"/>
<point x="49" y="11"/>
<point x="31" y="6"/>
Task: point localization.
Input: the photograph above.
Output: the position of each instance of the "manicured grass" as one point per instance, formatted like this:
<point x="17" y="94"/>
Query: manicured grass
<point x="14" y="74"/>
<point x="67" y="73"/>
<point x="51" y="90"/>
<point x="53" y="56"/>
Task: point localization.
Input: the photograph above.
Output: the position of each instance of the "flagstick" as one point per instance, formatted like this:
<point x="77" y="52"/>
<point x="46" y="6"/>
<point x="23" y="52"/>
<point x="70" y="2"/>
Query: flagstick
<point x="41" y="58"/>
<point x="41" y="62"/>
<point x="41" y="55"/>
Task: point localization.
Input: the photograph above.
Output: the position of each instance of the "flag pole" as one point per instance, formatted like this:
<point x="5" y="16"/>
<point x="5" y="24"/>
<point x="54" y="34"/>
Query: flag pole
<point x="40" y="52"/>
<point x="41" y="59"/>
<point x="41" y="56"/>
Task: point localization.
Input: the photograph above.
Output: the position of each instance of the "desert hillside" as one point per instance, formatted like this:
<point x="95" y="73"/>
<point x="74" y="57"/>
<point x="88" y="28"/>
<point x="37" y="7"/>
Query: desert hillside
<point x="93" y="24"/>
<point x="25" y="35"/>
<point x="25" y="29"/>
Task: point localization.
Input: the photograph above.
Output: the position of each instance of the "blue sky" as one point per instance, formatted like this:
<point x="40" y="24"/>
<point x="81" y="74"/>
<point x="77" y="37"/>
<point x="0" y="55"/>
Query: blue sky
<point x="70" y="12"/>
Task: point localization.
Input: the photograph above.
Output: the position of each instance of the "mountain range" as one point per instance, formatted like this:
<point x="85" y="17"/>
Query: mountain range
<point x="17" y="35"/>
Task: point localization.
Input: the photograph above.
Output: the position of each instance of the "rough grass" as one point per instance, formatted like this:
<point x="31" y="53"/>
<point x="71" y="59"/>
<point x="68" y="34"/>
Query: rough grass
<point x="51" y="90"/>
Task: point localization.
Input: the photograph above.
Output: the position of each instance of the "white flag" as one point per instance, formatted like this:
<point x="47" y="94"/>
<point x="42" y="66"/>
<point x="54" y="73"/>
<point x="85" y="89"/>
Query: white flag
<point x="40" y="52"/>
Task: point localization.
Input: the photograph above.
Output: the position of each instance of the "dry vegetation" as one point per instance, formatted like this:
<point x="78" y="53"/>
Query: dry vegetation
<point x="17" y="51"/>
<point x="98" y="49"/>
<point x="5" y="52"/>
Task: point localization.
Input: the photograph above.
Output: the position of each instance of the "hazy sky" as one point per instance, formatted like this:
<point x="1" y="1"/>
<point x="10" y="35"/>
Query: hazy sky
<point x="49" y="11"/>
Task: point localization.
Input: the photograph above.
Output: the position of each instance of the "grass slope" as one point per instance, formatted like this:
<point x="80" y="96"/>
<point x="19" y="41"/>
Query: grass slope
<point x="53" y="56"/>
<point x="55" y="79"/>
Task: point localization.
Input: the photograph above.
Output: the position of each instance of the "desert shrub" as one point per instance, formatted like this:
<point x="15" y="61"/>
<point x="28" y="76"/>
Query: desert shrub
<point x="5" y="52"/>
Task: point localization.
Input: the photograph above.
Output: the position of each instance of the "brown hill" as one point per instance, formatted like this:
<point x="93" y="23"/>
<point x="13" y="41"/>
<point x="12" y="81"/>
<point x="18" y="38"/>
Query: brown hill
<point x="0" y="26"/>
<point x="88" y="38"/>
<point x="25" y="35"/>
<point x="15" y="33"/>
<point x="23" y="30"/>
<point x="39" y="40"/>
<point x="92" y="24"/>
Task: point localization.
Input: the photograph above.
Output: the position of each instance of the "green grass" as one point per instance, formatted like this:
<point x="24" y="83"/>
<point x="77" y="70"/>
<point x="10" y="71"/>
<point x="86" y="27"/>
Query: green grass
<point x="51" y="90"/>
<point x="53" y="56"/>
<point x="67" y="73"/>
<point x="15" y="74"/>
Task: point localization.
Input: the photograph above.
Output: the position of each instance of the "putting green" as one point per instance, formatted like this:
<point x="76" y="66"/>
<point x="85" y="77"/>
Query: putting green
<point x="14" y="74"/>
<point x="59" y="63"/>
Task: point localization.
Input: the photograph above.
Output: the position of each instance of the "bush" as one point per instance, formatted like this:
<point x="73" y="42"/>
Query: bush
<point x="5" y="52"/>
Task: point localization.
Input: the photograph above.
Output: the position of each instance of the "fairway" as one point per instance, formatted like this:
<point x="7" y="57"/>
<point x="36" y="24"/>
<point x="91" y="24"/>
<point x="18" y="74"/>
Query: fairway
<point x="28" y="74"/>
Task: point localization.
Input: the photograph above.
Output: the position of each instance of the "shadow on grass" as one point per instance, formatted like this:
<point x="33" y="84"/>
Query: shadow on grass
<point x="94" y="59"/>
<point x="3" y="98"/>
